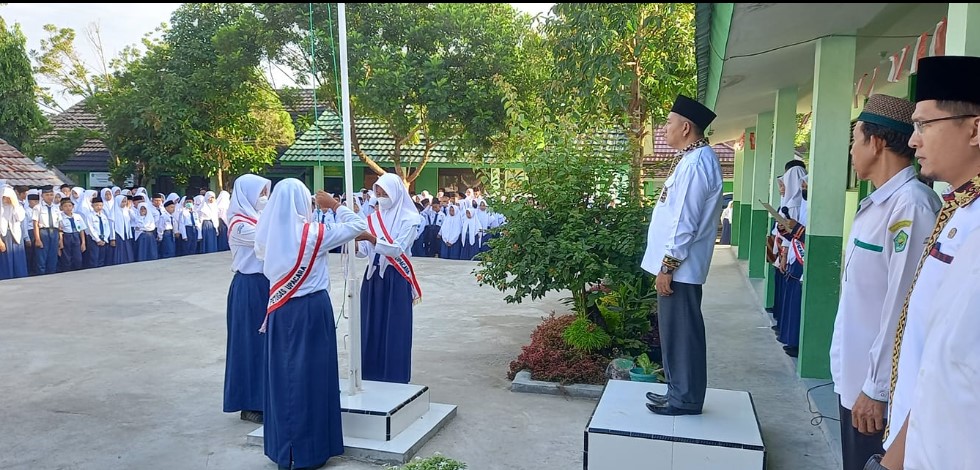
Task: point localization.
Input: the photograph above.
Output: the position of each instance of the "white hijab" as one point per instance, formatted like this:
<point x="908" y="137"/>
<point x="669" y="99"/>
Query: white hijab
<point x="76" y="194"/>
<point x="85" y="208"/>
<point x="221" y="204"/>
<point x="484" y="216"/>
<point x="145" y="223"/>
<point x="8" y="214"/>
<point x="452" y="225"/>
<point x="793" y="180"/>
<point x="279" y="232"/>
<point x="471" y="225"/>
<point x="245" y="195"/>
<point x="107" y="202"/>
<point x="207" y="210"/>
<point x="402" y="215"/>
<point x="121" y="217"/>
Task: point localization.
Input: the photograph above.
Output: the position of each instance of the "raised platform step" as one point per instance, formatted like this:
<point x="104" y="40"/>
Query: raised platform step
<point x="385" y="423"/>
<point x="622" y="433"/>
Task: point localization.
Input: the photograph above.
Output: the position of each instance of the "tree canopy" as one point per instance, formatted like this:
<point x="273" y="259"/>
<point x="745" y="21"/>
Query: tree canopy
<point x="20" y="118"/>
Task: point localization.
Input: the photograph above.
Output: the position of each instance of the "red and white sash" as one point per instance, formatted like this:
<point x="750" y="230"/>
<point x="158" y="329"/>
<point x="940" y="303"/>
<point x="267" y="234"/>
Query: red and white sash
<point x="402" y="264"/>
<point x="240" y="219"/>
<point x="798" y="249"/>
<point x="289" y="284"/>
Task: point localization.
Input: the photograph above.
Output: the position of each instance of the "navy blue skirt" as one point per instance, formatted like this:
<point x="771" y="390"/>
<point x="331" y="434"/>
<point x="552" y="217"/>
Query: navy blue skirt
<point x="168" y="246"/>
<point x="13" y="262"/>
<point x="302" y="409"/>
<point x="146" y="247"/>
<point x="789" y="324"/>
<point x="209" y="242"/>
<point x="386" y="327"/>
<point x="188" y="245"/>
<point x="450" y="252"/>
<point x="779" y="290"/>
<point x="222" y="236"/>
<point x="245" y="364"/>
<point x="469" y="251"/>
<point x="124" y="251"/>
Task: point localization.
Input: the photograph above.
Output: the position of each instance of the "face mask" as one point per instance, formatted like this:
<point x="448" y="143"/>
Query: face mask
<point x="385" y="202"/>
<point x="804" y="195"/>
<point x="260" y="204"/>
<point x="189" y="206"/>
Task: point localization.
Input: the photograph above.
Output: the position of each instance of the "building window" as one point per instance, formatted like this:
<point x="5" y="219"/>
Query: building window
<point x="458" y="179"/>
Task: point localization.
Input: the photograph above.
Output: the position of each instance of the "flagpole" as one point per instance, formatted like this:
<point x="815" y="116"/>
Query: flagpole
<point x="353" y="284"/>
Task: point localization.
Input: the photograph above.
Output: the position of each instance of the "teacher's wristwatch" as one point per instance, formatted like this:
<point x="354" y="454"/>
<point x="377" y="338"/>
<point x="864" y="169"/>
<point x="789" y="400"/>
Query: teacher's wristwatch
<point x="664" y="269"/>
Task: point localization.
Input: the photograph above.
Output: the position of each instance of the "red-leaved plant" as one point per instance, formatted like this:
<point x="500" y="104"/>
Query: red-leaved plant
<point x="551" y="359"/>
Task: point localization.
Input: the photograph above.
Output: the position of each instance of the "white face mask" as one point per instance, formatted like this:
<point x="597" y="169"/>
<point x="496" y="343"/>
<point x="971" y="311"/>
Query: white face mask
<point x="260" y="204"/>
<point x="385" y="202"/>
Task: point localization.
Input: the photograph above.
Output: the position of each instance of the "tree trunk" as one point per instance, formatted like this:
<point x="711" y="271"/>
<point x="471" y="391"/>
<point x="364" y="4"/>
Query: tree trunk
<point x="221" y="180"/>
<point x="425" y="159"/>
<point x="637" y="130"/>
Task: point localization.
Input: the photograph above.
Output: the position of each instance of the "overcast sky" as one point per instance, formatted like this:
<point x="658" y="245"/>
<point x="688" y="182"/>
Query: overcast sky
<point x="120" y="25"/>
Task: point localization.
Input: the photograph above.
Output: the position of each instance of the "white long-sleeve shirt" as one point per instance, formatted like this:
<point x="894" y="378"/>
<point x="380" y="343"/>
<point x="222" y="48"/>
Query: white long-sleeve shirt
<point x="685" y="220"/>
<point x="946" y="399"/>
<point x="934" y="269"/>
<point x="883" y="250"/>
<point x="99" y="233"/>
<point x="167" y="221"/>
<point x="402" y="246"/>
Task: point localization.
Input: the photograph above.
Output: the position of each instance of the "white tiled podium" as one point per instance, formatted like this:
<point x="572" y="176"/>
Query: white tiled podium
<point x="623" y="434"/>
<point x="386" y="422"/>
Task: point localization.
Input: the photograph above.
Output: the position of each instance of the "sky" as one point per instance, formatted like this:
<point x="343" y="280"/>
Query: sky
<point x="120" y="25"/>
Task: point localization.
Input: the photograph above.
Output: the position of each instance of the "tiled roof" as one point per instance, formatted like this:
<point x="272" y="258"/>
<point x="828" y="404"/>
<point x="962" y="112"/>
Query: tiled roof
<point x="93" y="154"/>
<point x="17" y="169"/>
<point x="659" y="162"/>
<point x="324" y="142"/>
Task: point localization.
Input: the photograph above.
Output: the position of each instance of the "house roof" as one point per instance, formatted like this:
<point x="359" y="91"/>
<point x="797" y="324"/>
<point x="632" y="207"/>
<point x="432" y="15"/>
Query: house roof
<point x="17" y="169"/>
<point x="93" y="155"/>
<point x="323" y="142"/>
<point x="660" y="160"/>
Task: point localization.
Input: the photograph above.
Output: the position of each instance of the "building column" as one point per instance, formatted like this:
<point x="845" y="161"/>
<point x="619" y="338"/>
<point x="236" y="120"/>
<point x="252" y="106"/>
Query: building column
<point x="963" y="29"/>
<point x="783" y="148"/>
<point x="829" y="140"/>
<point x="745" y="222"/>
<point x="761" y="168"/>
<point x="737" y="194"/>
<point x="317" y="177"/>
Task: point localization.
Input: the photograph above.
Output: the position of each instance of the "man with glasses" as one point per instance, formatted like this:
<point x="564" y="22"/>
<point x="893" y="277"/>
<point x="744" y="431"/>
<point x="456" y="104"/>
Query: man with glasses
<point x="945" y="142"/>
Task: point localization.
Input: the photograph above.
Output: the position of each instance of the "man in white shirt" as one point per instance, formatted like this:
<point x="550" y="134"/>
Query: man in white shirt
<point x="946" y="115"/>
<point x="680" y="242"/>
<point x="883" y="250"/>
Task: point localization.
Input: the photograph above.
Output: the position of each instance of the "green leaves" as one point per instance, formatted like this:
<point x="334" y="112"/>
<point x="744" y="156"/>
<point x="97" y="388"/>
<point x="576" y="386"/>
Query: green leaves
<point x="20" y="119"/>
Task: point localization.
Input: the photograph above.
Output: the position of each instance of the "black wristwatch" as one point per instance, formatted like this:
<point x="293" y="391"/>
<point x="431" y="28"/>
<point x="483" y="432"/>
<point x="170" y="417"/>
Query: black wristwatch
<point x="664" y="269"/>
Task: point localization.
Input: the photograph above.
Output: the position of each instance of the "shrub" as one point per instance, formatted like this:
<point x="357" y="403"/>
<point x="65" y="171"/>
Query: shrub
<point x="436" y="462"/>
<point x="550" y="358"/>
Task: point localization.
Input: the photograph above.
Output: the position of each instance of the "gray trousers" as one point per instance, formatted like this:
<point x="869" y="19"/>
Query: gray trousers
<point x="683" y="345"/>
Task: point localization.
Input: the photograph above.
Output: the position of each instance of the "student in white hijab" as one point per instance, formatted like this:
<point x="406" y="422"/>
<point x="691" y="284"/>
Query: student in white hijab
<point x="793" y="179"/>
<point x="209" y="223"/>
<point x="471" y="232"/>
<point x="108" y="199"/>
<point x="248" y="299"/>
<point x="449" y="233"/>
<point x="76" y="195"/>
<point x="122" y="225"/>
<point x="390" y="284"/>
<point x="146" y="233"/>
<point x="13" y="257"/>
<point x="302" y="406"/>
<point x="221" y="205"/>
<point x="189" y="227"/>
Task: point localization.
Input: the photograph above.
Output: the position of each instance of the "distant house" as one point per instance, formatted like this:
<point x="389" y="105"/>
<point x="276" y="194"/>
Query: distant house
<point x="17" y="169"/>
<point x="89" y="165"/>
<point x="658" y="156"/>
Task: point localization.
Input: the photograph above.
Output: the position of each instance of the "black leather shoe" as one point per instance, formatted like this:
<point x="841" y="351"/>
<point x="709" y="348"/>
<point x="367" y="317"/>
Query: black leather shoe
<point x="668" y="410"/>
<point x="657" y="399"/>
<point x="791" y="352"/>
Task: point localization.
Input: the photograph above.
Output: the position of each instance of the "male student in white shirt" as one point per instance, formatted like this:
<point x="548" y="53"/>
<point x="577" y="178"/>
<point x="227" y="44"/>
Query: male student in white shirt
<point x="946" y="115"/>
<point x="882" y="252"/>
<point x="680" y="242"/>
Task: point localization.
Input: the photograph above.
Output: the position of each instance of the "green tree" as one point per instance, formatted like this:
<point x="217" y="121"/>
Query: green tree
<point x="426" y="70"/>
<point x="20" y="118"/>
<point x="625" y="60"/>
<point x="199" y="101"/>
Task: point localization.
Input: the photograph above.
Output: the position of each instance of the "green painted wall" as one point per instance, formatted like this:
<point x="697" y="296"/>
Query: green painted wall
<point x="745" y="225"/>
<point x="736" y="221"/>
<point x="428" y="180"/>
<point x="821" y="290"/>
<point x="721" y="25"/>
<point x="744" y="231"/>
<point x="728" y="186"/>
<point x="757" y="246"/>
<point x="963" y="29"/>
<point x="761" y="168"/>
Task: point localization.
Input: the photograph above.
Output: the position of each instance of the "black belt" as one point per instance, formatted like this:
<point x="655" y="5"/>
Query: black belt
<point x="47" y="228"/>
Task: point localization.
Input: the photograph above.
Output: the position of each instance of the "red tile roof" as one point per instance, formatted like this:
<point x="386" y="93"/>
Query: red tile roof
<point x="17" y="169"/>
<point x="659" y="162"/>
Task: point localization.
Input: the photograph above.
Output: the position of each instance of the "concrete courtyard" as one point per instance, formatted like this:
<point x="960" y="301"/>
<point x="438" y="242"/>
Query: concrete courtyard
<point x="122" y="368"/>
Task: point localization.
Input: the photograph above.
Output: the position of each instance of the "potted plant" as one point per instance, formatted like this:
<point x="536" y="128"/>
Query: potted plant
<point x="645" y="370"/>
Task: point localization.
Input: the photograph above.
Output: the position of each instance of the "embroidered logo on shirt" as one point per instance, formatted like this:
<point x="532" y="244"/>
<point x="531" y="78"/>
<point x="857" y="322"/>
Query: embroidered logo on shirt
<point x="899" y="225"/>
<point x="901" y="241"/>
